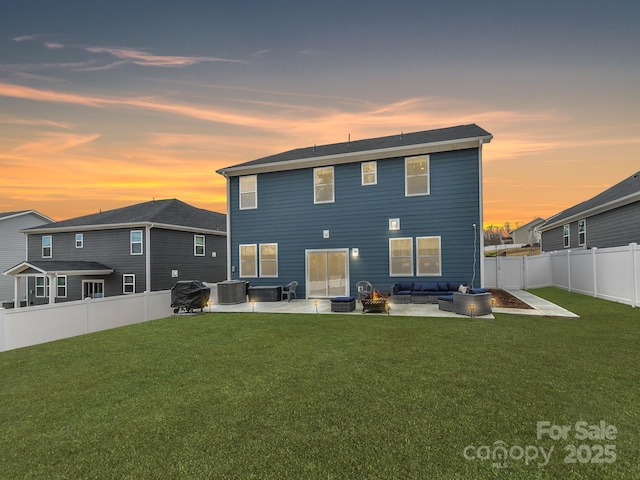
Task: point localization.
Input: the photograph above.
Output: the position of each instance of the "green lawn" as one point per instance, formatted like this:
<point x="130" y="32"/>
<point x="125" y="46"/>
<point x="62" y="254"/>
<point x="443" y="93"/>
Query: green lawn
<point x="327" y="396"/>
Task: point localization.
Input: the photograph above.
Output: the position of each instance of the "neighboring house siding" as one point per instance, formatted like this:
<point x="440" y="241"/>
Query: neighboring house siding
<point x="620" y="226"/>
<point x="359" y="218"/>
<point x="13" y="250"/>
<point x="174" y="250"/>
<point x="109" y="247"/>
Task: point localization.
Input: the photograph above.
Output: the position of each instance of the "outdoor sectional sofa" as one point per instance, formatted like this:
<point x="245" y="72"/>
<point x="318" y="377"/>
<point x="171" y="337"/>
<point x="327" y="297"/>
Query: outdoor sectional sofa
<point x="422" y="292"/>
<point x="475" y="303"/>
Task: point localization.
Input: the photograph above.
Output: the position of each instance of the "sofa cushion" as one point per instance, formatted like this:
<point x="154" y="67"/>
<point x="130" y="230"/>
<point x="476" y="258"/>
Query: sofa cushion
<point x="443" y="286"/>
<point x="478" y="290"/>
<point x="430" y="286"/>
<point x="417" y="286"/>
<point x="453" y="286"/>
<point x="446" y="298"/>
<point x="404" y="286"/>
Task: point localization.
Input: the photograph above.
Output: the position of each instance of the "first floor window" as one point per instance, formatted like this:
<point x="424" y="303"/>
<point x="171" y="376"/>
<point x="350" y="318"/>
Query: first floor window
<point x="42" y="287"/>
<point x="47" y="246"/>
<point x="61" y="284"/>
<point x="248" y="261"/>
<point x="428" y="256"/>
<point x="79" y="240"/>
<point x="198" y="245"/>
<point x="565" y="235"/>
<point x="269" y="260"/>
<point x="582" y="232"/>
<point x="400" y="257"/>
<point x="128" y="283"/>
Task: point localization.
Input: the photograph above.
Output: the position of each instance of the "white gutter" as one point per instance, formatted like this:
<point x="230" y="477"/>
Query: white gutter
<point x="147" y="260"/>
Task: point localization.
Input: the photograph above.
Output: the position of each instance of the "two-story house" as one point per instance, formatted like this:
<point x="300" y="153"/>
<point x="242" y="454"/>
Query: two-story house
<point x="144" y="247"/>
<point x="13" y="247"/>
<point x="610" y="219"/>
<point x="406" y="207"/>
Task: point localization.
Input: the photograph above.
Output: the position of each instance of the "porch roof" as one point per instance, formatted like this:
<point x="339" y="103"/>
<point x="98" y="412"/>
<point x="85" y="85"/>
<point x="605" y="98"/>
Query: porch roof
<point x="54" y="267"/>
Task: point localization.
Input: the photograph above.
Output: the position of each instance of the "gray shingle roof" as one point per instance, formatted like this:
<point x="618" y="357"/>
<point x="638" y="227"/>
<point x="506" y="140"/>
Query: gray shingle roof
<point x="166" y="212"/>
<point x="393" y="141"/>
<point x="627" y="187"/>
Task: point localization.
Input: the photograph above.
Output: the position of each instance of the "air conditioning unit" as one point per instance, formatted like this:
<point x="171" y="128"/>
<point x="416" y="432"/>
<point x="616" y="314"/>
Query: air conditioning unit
<point x="231" y="292"/>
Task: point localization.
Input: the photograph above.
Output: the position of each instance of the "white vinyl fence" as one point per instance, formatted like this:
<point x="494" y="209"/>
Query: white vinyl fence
<point x="22" y="327"/>
<point x="608" y="273"/>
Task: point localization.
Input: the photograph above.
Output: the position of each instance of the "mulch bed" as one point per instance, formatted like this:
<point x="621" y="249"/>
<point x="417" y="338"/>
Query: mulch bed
<point x="506" y="300"/>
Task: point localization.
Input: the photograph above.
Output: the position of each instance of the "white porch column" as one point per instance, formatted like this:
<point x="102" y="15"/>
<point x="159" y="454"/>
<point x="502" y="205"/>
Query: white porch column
<point x="53" y="288"/>
<point x="16" y="291"/>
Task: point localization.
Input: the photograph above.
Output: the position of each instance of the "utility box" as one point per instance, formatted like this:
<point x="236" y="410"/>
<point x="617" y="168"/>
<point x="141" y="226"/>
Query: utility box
<point x="231" y="292"/>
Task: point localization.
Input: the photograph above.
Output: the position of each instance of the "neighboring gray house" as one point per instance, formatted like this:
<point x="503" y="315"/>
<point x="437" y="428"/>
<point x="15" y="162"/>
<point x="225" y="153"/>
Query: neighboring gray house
<point x="528" y="233"/>
<point x="402" y="208"/>
<point x="609" y="219"/>
<point x="143" y="247"/>
<point x="13" y="246"/>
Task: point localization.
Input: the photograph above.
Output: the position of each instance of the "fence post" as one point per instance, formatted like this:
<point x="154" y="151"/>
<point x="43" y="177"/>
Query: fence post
<point x="568" y="270"/>
<point x="634" y="274"/>
<point x="525" y="271"/>
<point x="2" y="330"/>
<point x="595" y="271"/>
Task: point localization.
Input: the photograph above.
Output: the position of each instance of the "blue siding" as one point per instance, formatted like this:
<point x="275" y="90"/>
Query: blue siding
<point x="286" y="215"/>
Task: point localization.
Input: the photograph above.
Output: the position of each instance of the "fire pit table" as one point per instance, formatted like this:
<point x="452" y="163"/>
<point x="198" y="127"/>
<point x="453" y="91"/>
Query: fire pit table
<point x="376" y="302"/>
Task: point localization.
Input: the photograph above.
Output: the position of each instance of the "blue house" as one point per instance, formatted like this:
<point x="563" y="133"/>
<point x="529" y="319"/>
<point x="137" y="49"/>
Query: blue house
<point x="406" y="207"/>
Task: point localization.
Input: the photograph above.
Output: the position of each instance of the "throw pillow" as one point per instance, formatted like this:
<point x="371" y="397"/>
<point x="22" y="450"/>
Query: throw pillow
<point x="463" y="289"/>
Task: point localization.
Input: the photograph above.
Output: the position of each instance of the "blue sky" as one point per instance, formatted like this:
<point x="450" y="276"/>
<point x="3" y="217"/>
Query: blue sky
<point x="105" y="104"/>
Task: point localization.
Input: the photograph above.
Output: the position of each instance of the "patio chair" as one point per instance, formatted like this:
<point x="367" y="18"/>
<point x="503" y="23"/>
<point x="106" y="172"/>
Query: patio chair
<point x="289" y="291"/>
<point x="364" y="288"/>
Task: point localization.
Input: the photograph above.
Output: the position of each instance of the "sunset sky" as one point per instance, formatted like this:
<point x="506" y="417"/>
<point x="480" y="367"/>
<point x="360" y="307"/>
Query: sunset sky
<point x="107" y="104"/>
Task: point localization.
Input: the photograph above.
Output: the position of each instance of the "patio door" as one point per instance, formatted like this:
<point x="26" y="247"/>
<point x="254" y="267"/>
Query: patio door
<point x="92" y="289"/>
<point x="327" y="273"/>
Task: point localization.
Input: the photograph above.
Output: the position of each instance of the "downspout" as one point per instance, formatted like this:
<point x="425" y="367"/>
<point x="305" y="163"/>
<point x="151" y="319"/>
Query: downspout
<point x="228" y="225"/>
<point x="481" y="225"/>
<point x="147" y="259"/>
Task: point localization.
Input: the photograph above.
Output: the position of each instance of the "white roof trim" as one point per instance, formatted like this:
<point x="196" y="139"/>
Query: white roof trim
<point x="27" y="212"/>
<point x="360" y="156"/>
<point x="114" y="226"/>
<point x="605" y="207"/>
<point x="18" y="269"/>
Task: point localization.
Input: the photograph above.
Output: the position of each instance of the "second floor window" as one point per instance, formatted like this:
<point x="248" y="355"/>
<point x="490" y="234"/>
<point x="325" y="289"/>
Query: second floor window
<point x="248" y="192"/>
<point x="323" y="185"/>
<point x="79" y="240"/>
<point x="582" y="232"/>
<point x="416" y="175"/>
<point x="369" y="173"/>
<point x="198" y="245"/>
<point x="47" y="246"/>
<point x="136" y="242"/>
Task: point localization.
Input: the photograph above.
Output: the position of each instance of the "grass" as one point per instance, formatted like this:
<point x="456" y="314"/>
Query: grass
<point x="324" y="396"/>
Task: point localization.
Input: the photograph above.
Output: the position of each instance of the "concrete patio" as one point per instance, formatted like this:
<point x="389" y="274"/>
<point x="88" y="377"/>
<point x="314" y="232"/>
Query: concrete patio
<point x="540" y="307"/>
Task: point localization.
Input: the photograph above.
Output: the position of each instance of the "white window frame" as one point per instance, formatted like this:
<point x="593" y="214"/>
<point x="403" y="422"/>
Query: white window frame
<point x="132" y="242"/>
<point x="93" y="283"/>
<point x="269" y="260"/>
<point x="79" y="240"/>
<point x="438" y="256"/>
<point x="248" y="189"/>
<point x="42" y="290"/>
<point x="128" y="280"/>
<point x="196" y="246"/>
<point x="407" y="177"/>
<point x="322" y="186"/>
<point x="254" y="262"/>
<point x="369" y="178"/>
<point x="61" y="290"/>
<point x="49" y="246"/>
<point x="566" y="235"/>
<point x="582" y="232"/>
<point x="392" y="257"/>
